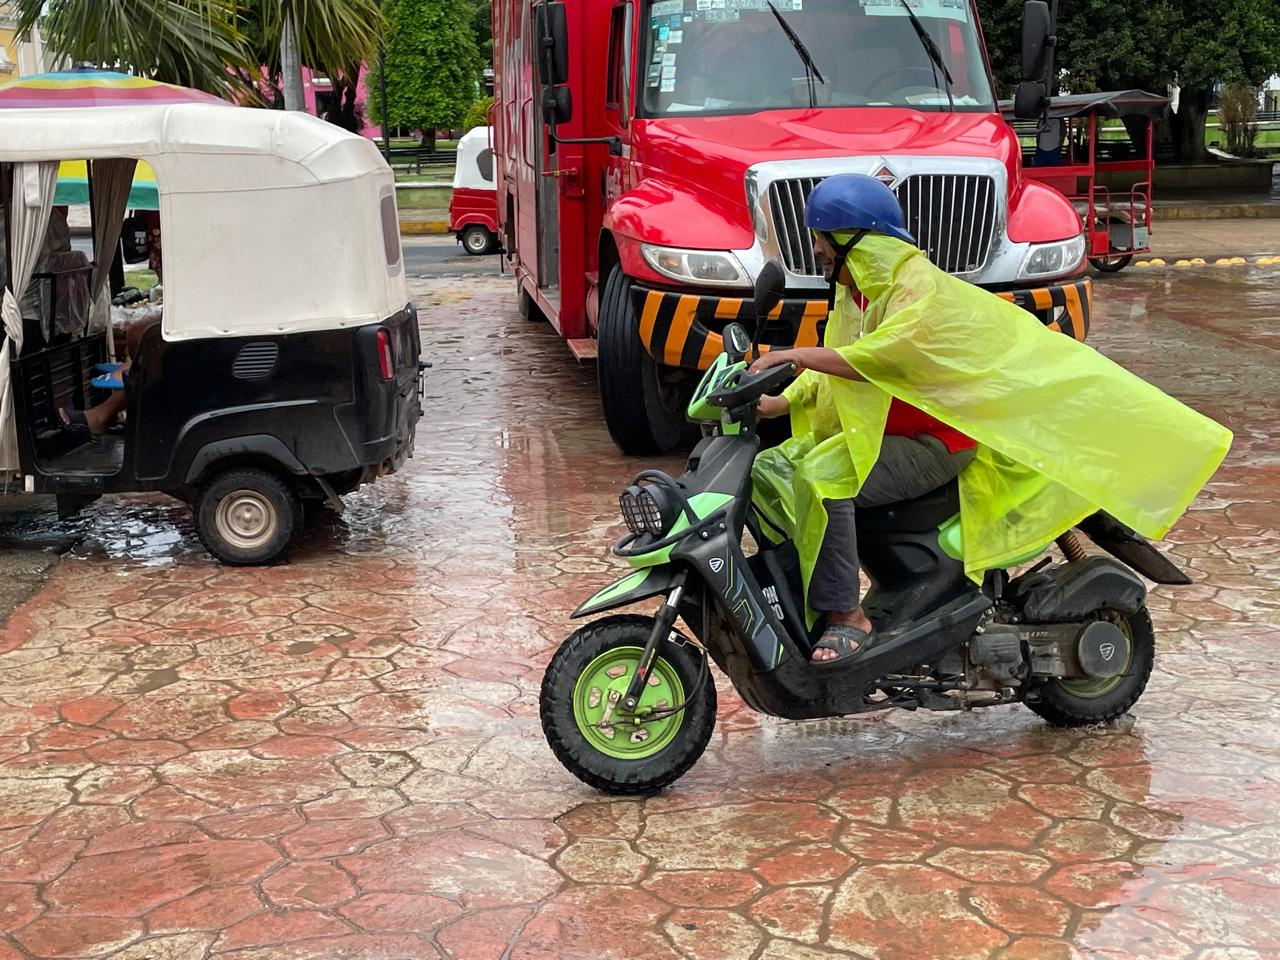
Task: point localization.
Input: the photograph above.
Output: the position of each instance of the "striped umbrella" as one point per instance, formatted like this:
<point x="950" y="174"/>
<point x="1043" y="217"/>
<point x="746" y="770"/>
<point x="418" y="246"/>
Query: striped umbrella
<point x="73" y="186"/>
<point x="93" y="88"/>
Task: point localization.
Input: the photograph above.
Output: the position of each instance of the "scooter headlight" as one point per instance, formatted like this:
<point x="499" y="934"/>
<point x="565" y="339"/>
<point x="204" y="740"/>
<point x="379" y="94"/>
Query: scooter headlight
<point x="648" y="509"/>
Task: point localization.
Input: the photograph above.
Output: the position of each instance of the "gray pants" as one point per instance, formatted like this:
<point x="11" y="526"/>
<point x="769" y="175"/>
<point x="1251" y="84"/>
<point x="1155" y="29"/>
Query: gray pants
<point x="908" y="467"/>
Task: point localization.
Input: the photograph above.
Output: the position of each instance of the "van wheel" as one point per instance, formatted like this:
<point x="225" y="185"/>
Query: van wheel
<point x="644" y="401"/>
<point x="478" y="241"/>
<point x="245" y="516"/>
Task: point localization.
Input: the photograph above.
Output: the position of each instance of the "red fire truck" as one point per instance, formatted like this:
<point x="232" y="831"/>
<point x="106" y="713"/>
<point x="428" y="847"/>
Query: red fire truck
<point x="653" y="155"/>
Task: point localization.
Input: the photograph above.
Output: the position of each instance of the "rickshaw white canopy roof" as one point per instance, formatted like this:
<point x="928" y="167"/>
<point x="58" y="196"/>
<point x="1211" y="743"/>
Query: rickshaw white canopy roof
<point x="271" y="222"/>
<point x="467" y="172"/>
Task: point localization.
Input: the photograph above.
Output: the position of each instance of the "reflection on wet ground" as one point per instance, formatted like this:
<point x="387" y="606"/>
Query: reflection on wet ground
<point x="341" y="757"/>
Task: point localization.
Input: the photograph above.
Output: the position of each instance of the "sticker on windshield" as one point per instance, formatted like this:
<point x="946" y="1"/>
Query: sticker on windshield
<point x="721" y="16"/>
<point x="666" y="8"/>
<point x="668" y="85"/>
<point x="675" y="36"/>
<point x="945" y="9"/>
<point x="668" y="60"/>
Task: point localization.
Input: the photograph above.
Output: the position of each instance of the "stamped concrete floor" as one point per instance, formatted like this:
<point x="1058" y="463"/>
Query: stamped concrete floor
<point x="340" y="757"/>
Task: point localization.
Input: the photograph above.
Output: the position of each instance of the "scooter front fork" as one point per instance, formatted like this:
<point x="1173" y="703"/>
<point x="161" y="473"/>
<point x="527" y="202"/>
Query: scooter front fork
<point x="663" y="621"/>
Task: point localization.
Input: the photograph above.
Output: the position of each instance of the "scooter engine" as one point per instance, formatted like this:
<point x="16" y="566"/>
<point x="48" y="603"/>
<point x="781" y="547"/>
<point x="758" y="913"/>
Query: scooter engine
<point x="997" y="653"/>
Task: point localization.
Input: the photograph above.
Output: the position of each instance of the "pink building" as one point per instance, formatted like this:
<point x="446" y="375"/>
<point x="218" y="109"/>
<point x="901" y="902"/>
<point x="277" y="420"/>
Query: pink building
<point x="317" y="89"/>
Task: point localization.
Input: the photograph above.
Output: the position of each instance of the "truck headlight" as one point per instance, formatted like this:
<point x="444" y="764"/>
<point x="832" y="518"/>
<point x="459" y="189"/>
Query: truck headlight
<point x="711" y="267"/>
<point x="1053" y="259"/>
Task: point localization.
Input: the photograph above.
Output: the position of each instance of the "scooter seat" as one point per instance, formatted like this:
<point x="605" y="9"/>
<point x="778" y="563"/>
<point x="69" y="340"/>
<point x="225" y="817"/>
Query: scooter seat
<point x="912" y="516"/>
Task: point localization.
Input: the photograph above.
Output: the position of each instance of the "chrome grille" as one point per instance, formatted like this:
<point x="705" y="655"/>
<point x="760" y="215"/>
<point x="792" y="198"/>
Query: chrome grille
<point x="952" y="216"/>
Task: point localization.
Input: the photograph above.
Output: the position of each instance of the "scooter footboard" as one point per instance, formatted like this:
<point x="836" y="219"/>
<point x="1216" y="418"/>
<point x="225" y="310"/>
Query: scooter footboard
<point x="799" y="690"/>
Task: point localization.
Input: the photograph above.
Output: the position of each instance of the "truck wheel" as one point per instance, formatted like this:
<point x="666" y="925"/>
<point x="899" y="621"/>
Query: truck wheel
<point x="478" y="241"/>
<point x="246" y="517"/>
<point x="1078" y="703"/>
<point x="631" y="754"/>
<point x="528" y="307"/>
<point x="644" y="401"/>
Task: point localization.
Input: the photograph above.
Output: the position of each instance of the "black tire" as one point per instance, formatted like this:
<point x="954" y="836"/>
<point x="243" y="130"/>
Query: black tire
<point x="1055" y="702"/>
<point x="478" y="241"/>
<point x="645" y="403"/>
<point x="528" y="307"/>
<point x="1111" y="264"/>
<point x="596" y="768"/>
<point x="247" y="517"/>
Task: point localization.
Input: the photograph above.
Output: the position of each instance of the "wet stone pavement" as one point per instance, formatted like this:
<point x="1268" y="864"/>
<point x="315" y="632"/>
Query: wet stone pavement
<point x="340" y="757"/>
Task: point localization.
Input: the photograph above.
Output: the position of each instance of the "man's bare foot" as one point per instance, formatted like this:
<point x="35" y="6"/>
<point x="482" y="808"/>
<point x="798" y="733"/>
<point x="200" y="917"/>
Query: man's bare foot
<point x="853" y="618"/>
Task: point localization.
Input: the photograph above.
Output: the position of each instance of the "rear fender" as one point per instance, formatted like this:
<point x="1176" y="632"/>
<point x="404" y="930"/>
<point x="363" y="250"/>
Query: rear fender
<point x="1130" y="548"/>
<point x="640" y="585"/>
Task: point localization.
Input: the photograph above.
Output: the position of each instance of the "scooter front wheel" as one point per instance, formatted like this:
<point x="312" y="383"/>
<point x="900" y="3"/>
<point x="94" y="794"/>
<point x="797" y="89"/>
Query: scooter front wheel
<point x="611" y="749"/>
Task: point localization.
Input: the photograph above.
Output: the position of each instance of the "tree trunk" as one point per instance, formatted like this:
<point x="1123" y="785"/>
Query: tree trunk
<point x="291" y="66"/>
<point x="429" y="140"/>
<point x="1188" y="125"/>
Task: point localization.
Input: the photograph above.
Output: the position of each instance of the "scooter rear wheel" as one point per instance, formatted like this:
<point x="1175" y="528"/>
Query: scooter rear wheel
<point x="623" y="756"/>
<point x="1078" y="703"/>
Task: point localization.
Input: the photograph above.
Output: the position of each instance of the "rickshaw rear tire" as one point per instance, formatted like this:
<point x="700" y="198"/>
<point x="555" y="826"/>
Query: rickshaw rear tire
<point x="255" y="528"/>
<point x="478" y="241"/>
<point x="1111" y="264"/>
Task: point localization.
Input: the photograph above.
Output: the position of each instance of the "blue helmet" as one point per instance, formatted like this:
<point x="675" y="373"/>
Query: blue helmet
<point x="852" y="201"/>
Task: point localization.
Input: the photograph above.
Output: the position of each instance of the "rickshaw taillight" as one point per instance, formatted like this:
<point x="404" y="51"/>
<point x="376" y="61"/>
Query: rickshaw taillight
<point x="385" y="365"/>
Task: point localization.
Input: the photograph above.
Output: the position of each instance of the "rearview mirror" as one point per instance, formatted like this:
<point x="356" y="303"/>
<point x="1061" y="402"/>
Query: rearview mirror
<point x="737" y="343"/>
<point x="552" y="30"/>
<point x="557" y="105"/>
<point x="1037" y="35"/>
<point x="770" y="286"/>
<point x="1029" y="100"/>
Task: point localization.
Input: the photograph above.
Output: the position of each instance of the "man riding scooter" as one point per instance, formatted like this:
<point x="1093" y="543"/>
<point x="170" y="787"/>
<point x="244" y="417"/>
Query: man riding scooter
<point x="885" y="418"/>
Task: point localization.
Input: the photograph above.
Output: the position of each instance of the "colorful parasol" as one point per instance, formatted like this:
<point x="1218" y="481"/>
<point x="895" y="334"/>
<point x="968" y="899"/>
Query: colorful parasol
<point x="73" y="186"/>
<point x="94" y="88"/>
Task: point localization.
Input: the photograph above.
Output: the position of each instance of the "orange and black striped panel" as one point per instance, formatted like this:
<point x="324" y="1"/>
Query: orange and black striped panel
<point x="677" y="328"/>
<point x="1075" y="299"/>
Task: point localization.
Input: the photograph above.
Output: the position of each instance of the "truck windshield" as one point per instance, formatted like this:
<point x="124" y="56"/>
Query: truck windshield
<point x="732" y="56"/>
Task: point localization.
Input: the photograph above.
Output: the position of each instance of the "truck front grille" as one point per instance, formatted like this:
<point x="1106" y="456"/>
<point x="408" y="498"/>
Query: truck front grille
<point x="952" y="216"/>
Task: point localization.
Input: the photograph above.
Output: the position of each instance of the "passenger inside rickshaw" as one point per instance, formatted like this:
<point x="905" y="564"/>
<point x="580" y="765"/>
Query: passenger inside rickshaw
<point x="57" y="312"/>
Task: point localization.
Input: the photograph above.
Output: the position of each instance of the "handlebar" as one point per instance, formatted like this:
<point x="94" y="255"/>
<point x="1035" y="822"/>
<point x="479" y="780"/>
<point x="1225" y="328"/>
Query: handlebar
<point x="752" y="386"/>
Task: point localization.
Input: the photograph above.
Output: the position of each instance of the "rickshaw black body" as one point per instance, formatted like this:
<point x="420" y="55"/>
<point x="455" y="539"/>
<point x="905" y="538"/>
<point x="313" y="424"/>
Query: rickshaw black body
<point x="312" y="408"/>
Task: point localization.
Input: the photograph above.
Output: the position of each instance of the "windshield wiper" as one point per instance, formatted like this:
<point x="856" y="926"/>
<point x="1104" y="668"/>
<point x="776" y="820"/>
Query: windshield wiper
<point x="810" y="68"/>
<point x="932" y="52"/>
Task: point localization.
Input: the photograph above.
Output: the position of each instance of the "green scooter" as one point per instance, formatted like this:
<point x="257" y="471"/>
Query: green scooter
<point x="628" y="704"/>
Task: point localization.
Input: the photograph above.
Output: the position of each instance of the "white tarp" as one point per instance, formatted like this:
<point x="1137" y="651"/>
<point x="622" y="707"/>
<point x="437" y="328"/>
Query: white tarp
<point x="112" y="180"/>
<point x="32" y="203"/>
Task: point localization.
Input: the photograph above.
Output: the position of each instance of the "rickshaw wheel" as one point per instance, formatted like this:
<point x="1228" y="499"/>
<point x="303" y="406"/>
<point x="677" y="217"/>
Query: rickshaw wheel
<point x="1111" y="264"/>
<point x="245" y="516"/>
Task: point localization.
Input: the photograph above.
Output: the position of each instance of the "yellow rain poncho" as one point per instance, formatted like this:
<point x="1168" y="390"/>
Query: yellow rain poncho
<point x="1062" y="431"/>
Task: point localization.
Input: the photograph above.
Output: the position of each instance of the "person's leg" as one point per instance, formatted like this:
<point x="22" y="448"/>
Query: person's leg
<point x="833" y="586"/>
<point x="99" y="417"/>
<point x="907" y="468"/>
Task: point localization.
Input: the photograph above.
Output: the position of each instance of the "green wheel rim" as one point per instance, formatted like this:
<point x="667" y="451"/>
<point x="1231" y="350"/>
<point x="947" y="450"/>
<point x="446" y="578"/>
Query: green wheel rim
<point x="1092" y="689"/>
<point x="624" y="738"/>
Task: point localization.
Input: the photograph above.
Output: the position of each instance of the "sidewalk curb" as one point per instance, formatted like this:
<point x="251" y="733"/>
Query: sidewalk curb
<point x="1218" y="211"/>
<point x="418" y="228"/>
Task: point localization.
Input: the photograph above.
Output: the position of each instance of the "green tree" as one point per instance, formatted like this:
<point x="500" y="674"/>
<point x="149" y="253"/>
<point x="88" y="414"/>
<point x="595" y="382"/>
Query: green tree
<point x="336" y="39"/>
<point x="188" y="42"/>
<point x="1111" y="44"/>
<point x="228" y="47"/>
<point x="432" y="66"/>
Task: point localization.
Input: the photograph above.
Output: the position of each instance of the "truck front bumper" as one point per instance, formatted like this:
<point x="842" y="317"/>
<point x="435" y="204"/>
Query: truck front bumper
<point x="683" y="329"/>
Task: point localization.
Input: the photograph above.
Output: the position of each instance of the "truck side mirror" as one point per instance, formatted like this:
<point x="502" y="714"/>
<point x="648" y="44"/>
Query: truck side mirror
<point x="1037" y="33"/>
<point x="770" y="286"/>
<point x="552" y="29"/>
<point x="1038" y="39"/>
<point x="557" y="105"/>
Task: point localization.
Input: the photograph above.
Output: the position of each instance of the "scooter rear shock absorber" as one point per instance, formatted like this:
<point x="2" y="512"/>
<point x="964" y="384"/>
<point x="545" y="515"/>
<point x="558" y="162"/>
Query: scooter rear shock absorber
<point x="1071" y="547"/>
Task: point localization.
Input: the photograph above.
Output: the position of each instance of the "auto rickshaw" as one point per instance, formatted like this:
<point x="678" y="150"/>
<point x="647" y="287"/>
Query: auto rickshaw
<point x="283" y="364"/>
<point x="473" y="208"/>
<point x="1071" y="149"/>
